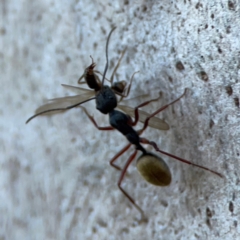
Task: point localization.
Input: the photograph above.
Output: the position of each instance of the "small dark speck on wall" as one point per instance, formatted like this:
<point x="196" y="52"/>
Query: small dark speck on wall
<point x="219" y="50"/>
<point x="179" y="66"/>
<point x="235" y="223"/>
<point x="231" y="5"/>
<point x="208" y="212"/>
<point x="203" y="75"/>
<point x="211" y="123"/>
<point x="229" y="90"/>
<point x="231" y="208"/>
<point x="236" y="101"/>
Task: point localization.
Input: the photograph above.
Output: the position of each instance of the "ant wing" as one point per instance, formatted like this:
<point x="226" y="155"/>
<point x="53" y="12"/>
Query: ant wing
<point x="57" y="105"/>
<point x="153" y="122"/>
<point x="79" y="90"/>
<point x="64" y="102"/>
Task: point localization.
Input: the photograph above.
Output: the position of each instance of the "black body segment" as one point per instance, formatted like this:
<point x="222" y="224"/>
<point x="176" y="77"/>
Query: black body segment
<point x="93" y="81"/>
<point x="106" y="100"/>
<point x="122" y="123"/>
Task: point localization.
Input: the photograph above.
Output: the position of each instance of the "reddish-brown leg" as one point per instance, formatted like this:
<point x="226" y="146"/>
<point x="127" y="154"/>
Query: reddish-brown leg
<point x="107" y="128"/>
<point x="115" y="158"/>
<point x="130" y="159"/>
<point x="159" y="110"/>
<point x="117" y="66"/>
<point x="146" y="141"/>
<point x="118" y="155"/>
<point x="126" y="92"/>
<point x="153" y="114"/>
<point x="94" y="122"/>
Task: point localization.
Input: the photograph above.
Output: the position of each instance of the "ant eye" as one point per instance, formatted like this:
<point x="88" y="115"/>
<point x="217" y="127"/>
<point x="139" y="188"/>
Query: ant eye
<point x="154" y="170"/>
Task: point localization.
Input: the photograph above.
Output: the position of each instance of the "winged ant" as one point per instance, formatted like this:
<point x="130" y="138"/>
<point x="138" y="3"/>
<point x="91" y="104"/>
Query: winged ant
<point x="152" y="168"/>
<point x="92" y="80"/>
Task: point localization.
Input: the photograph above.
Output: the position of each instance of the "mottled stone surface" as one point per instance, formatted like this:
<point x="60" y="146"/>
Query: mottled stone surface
<point x="55" y="180"/>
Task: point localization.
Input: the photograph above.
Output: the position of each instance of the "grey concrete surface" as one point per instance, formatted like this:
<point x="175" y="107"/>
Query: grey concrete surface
<point x="55" y="178"/>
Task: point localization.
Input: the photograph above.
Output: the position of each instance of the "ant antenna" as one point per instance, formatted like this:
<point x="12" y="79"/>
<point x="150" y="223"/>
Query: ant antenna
<point x="106" y="67"/>
<point x="92" y="59"/>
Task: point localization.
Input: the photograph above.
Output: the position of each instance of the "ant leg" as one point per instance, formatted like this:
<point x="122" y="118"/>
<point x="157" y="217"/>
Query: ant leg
<point x="130" y="84"/>
<point x="96" y="71"/>
<point x="81" y="77"/>
<point x="131" y="158"/>
<point x="153" y="144"/>
<point x="94" y="122"/>
<point x="79" y="82"/>
<point x="136" y="109"/>
<point x="156" y="112"/>
<point x="118" y="155"/>
<point x="128" y="88"/>
<point x="118" y="64"/>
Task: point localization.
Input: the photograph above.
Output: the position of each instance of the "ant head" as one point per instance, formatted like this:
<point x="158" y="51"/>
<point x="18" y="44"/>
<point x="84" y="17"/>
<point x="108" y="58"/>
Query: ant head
<point x="153" y="169"/>
<point x="119" y="86"/>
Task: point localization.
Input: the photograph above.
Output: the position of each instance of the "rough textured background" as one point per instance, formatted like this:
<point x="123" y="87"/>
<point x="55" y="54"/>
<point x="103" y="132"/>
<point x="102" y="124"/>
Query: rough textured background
<point x="55" y="180"/>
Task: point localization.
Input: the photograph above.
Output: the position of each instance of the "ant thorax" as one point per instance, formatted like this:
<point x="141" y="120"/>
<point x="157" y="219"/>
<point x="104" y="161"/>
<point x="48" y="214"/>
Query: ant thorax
<point x="106" y="100"/>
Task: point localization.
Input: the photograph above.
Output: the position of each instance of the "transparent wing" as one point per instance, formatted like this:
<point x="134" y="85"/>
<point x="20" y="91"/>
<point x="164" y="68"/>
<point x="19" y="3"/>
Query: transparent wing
<point x="78" y="90"/>
<point x="154" y="122"/>
<point x="63" y="102"/>
<point x="58" y="105"/>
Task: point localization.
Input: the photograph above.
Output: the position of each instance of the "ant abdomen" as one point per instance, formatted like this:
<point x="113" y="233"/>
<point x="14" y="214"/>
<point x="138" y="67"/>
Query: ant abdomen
<point x="154" y="170"/>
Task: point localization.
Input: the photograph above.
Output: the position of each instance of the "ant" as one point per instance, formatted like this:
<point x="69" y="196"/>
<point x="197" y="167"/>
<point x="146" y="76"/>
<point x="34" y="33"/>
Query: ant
<point x="152" y="168"/>
<point x="92" y="80"/>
